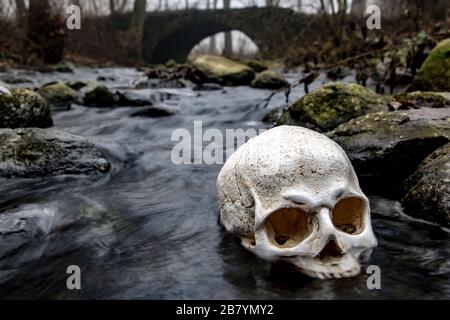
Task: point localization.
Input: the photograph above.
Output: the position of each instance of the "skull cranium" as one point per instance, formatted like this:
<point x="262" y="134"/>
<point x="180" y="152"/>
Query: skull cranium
<point x="291" y="194"/>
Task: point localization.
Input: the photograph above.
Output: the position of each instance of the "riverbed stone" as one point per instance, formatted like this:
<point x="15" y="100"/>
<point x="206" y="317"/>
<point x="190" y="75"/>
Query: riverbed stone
<point x="434" y="74"/>
<point x="273" y="115"/>
<point x="208" y="68"/>
<point x="426" y="193"/>
<point x="331" y="105"/>
<point x="391" y="145"/>
<point x="153" y="112"/>
<point x="24" y="108"/>
<point x="34" y="152"/>
<point x="269" y="79"/>
<point x="256" y="65"/>
<point x="58" y="95"/>
<point x="421" y="99"/>
<point x="99" y="96"/>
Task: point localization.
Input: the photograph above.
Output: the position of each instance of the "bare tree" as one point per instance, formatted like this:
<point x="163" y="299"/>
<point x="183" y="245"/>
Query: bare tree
<point x="45" y="31"/>
<point x="212" y="44"/>
<point x="358" y="7"/>
<point x="136" y="28"/>
<point x="228" y="45"/>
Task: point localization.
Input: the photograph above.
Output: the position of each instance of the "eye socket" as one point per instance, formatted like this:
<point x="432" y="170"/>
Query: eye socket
<point x="287" y="227"/>
<point x="348" y="215"/>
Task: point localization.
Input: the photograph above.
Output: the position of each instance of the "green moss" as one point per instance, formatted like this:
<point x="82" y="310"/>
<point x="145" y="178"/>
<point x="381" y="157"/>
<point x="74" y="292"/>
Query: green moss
<point x="269" y="80"/>
<point x="335" y="103"/>
<point x="100" y="96"/>
<point x="256" y="65"/>
<point x="24" y="108"/>
<point x="434" y="75"/>
<point x="58" y="94"/>
<point x="222" y="70"/>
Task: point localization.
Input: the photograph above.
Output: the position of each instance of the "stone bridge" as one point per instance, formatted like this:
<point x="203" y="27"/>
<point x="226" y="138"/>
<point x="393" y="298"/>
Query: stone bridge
<point x="173" y="34"/>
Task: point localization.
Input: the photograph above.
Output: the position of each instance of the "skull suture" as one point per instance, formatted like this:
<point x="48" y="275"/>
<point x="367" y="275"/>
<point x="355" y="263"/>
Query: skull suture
<point x="291" y="194"/>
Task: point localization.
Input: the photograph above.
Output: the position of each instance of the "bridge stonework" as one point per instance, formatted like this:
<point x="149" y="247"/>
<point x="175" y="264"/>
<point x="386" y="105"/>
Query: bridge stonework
<point x="173" y="34"/>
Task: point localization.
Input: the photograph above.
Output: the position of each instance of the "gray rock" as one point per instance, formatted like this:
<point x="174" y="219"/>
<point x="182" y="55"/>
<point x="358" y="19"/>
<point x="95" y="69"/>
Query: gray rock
<point x="392" y="144"/>
<point x="24" y="108"/>
<point x="153" y="112"/>
<point x="34" y="152"/>
<point x="426" y="193"/>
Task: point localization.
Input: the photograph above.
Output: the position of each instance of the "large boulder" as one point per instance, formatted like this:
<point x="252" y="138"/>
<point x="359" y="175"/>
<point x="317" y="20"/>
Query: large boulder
<point x="390" y="145"/>
<point x="269" y="80"/>
<point x="207" y="68"/>
<point x="331" y="105"/>
<point x="20" y="108"/>
<point x="434" y="75"/>
<point x="58" y="95"/>
<point x="34" y="152"/>
<point x="427" y="192"/>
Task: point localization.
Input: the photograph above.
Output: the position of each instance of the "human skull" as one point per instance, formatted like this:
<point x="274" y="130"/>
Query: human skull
<point x="291" y="194"/>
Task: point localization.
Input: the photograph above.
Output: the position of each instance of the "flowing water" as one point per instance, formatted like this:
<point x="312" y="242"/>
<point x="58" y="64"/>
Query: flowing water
<point x="149" y="229"/>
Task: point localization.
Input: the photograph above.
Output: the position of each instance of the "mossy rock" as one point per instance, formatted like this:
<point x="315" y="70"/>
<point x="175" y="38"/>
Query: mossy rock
<point x="98" y="96"/>
<point x="331" y="105"/>
<point x="423" y="99"/>
<point x="256" y="65"/>
<point x="434" y="75"/>
<point x="427" y="191"/>
<point x="390" y="145"/>
<point x="269" y="80"/>
<point x="58" y="95"/>
<point x="273" y="116"/>
<point x="24" y="108"/>
<point x="34" y="152"/>
<point x="207" y="68"/>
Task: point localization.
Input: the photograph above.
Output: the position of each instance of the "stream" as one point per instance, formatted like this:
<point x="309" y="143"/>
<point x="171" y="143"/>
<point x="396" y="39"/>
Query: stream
<point x="149" y="228"/>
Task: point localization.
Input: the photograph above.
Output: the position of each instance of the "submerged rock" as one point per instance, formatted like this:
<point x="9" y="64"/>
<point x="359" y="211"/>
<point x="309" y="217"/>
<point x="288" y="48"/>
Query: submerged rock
<point x="434" y="75"/>
<point x="24" y="108"/>
<point x="427" y="191"/>
<point x="153" y="112"/>
<point x="58" y="95"/>
<point x="269" y="80"/>
<point x="220" y="70"/>
<point x="208" y="87"/>
<point x="34" y="152"/>
<point x="133" y="98"/>
<point x="391" y="145"/>
<point x="99" y="96"/>
<point x="331" y="105"/>
<point x="79" y="84"/>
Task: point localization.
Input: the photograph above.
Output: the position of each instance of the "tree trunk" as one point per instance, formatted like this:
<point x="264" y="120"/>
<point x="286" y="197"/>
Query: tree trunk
<point x="136" y="28"/>
<point x="46" y="31"/>
<point x="112" y="7"/>
<point x="358" y="8"/>
<point x="21" y="14"/>
<point x="228" y="45"/>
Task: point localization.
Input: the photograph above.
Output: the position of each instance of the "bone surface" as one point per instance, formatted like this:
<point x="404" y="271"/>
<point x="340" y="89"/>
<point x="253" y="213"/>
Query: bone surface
<point x="291" y="194"/>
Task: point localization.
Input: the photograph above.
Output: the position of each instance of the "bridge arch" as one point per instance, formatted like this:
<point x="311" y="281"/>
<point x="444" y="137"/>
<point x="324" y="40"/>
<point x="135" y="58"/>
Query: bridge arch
<point x="172" y="35"/>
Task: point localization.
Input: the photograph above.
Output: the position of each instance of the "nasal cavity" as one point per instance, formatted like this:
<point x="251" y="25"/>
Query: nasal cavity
<point x="332" y="249"/>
